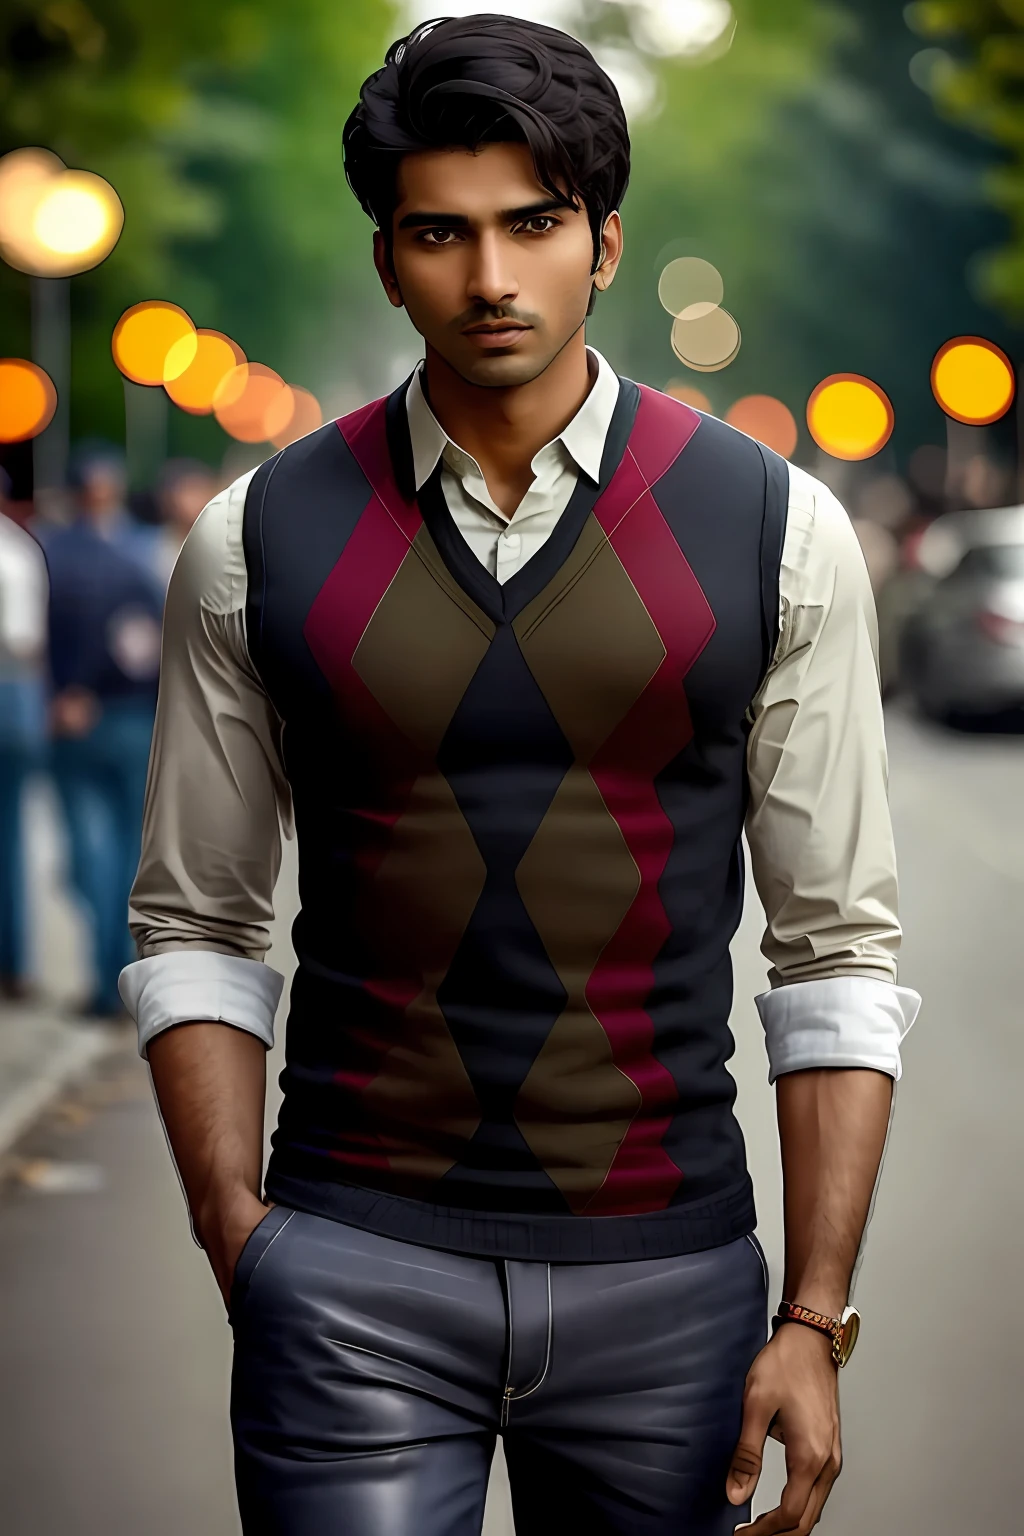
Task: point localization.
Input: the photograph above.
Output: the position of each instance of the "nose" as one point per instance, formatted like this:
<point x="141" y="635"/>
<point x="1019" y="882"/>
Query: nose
<point x="492" y="280"/>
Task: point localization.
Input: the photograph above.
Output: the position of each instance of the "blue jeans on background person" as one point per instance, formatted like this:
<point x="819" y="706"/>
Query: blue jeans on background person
<point x="101" y="781"/>
<point x="22" y="740"/>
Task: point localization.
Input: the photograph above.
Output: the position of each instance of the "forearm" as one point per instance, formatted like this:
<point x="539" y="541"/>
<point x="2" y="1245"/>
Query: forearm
<point x="210" y="1082"/>
<point x="832" y="1129"/>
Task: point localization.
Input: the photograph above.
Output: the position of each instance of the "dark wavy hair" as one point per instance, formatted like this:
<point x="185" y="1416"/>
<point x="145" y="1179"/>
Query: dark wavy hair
<point x="475" y="80"/>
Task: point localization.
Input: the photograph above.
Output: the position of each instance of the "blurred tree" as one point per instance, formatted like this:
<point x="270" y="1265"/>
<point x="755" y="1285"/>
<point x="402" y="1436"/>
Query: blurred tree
<point x="220" y="126"/>
<point x="980" y="85"/>
<point x="808" y="165"/>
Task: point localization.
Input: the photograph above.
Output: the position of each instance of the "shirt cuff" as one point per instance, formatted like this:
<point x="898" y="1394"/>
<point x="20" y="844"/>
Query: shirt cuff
<point x="186" y="985"/>
<point x="837" y="1021"/>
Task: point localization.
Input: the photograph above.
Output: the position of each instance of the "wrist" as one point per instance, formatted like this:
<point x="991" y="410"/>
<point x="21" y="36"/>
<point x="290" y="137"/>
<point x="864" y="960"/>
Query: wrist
<point x="221" y="1206"/>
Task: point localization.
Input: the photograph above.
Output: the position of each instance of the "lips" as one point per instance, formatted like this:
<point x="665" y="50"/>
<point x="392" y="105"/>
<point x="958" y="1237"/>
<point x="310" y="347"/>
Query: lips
<point x="499" y="334"/>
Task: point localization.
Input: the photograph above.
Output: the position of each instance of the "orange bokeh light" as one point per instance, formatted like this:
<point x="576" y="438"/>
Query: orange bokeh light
<point x="849" y="416"/>
<point x="767" y="419"/>
<point x="153" y="342"/>
<point x="688" y="395"/>
<point x="195" y="390"/>
<point x="973" y="380"/>
<point x="253" y="403"/>
<point x="27" y="400"/>
<point x="306" y="417"/>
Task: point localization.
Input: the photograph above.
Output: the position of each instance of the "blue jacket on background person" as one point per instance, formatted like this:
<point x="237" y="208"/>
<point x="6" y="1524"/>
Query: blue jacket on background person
<point x="104" y="632"/>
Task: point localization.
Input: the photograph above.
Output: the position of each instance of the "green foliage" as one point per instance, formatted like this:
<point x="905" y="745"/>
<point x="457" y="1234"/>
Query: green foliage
<point x="220" y="127"/>
<point x="979" y="84"/>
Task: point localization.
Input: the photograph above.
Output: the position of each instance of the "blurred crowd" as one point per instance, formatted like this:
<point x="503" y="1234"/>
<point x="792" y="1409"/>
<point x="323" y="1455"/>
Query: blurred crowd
<point x="81" y="602"/>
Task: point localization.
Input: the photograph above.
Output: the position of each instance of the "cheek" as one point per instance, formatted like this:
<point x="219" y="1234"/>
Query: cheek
<point x="433" y="287"/>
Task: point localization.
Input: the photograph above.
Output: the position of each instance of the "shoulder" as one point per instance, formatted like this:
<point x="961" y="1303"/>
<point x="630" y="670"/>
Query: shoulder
<point x="210" y="571"/>
<point x="820" y="543"/>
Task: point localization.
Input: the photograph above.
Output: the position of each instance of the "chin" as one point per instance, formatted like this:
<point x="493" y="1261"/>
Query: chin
<point x="501" y="372"/>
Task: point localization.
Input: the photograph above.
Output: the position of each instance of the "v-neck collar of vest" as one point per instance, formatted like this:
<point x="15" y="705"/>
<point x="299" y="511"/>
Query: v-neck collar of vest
<point x="502" y="602"/>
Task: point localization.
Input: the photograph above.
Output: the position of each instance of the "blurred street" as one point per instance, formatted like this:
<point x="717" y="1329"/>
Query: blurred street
<point x="114" y="1355"/>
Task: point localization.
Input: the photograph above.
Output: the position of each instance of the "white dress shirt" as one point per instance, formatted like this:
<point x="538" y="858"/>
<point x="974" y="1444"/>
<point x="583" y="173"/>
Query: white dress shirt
<point x="817" y="825"/>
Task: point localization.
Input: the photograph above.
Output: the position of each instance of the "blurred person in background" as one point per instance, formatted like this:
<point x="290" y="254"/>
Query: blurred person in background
<point x="183" y="488"/>
<point x="104" y="643"/>
<point x="524" y="646"/>
<point x="22" y="730"/>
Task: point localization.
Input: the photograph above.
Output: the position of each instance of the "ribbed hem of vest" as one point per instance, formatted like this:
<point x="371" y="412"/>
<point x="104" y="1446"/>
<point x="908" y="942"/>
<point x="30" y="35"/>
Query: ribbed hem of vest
<point x="680" y="1229"/>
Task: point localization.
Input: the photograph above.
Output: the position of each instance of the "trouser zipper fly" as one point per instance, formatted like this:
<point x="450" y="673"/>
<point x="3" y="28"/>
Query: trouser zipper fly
<point x="505" y="1405"/>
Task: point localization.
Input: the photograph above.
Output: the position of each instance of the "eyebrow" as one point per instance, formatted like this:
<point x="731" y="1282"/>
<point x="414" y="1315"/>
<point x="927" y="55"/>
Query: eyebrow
<point x="420" y="219"/>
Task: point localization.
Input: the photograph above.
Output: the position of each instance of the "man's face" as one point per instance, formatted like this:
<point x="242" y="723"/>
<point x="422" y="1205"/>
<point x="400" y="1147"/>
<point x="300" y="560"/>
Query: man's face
<point x="102" y="489"/>
<point x="183" y="500"/>
<point x="494" y="272"/>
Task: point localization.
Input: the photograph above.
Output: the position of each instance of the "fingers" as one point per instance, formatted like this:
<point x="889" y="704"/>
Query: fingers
<point x="812" y="1474"/>
<point x="745" y="1467"/>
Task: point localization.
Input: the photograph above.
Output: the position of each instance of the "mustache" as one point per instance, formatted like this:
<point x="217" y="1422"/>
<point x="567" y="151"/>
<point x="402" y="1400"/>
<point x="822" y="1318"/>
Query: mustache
<point x="477" y="314"/>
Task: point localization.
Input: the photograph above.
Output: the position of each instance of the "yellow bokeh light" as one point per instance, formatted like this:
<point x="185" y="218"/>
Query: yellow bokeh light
<point x="767" y="419"/>
<point x="253" y="403"/>
<point x="27" y="400"/>
<point x="145" y="337"/>
<point x="55" y="222"/>
<point x="849" y="416"/>
<point x="306" y="417"/>
<point x="195" y="387"/>
<point x="973" y="380"/>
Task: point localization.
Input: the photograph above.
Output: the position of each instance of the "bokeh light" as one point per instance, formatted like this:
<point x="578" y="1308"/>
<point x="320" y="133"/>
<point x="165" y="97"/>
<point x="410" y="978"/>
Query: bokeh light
<point x="683" y="28"/>
<point x="708" y="343"/>
<point x="690" y="287"/>
<point x="972" y="379"/>
<point x="154" y="342"/>
<point x="767" y="419"/>
<point x="849" y="416"/>
<point x="55" y="222"/>
<point x="27" y="400"/>
<point x="195" y="388"/>
<point x="689" y="395"/>
<point x="254" y="404"/>
<point x="306" y="417"/>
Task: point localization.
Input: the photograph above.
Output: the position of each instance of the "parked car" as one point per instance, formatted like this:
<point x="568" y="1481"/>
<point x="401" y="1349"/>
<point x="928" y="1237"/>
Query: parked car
<point x="961" y="651"/>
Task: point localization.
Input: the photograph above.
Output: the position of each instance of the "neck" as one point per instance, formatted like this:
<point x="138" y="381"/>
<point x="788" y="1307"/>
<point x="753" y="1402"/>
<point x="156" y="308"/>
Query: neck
<point x="504" y="428"/>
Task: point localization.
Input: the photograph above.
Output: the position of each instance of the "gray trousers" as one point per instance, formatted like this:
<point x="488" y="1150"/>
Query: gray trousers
<point x="372" y="1376"/>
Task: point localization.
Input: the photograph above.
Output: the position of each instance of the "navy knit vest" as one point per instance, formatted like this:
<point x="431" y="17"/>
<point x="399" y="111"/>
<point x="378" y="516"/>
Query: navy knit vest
<point x="518" y="812"/>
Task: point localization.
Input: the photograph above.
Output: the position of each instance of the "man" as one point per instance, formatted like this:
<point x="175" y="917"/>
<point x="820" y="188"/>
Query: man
<point x="22" y="729"/>
<point x="104" y="641"/>
<point x="183" y="489"/>
<point x="521" y="646"/>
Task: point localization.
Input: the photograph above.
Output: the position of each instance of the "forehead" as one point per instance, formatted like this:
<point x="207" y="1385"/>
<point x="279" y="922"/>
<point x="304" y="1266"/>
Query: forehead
<point x="475" y="183"/>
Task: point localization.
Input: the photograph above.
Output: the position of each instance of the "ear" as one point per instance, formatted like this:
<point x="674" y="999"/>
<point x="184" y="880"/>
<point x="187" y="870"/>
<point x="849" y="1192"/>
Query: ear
<point x="385" y="271"/>
<point x="611" y="251"/>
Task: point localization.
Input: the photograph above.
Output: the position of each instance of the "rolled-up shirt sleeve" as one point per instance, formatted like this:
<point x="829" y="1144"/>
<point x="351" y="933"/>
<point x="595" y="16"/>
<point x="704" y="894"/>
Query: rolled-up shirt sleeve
<point x="216" y="802"/>
<point x="818" y="822"/>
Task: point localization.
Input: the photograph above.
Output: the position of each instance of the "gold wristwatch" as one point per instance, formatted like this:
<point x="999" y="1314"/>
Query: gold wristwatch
<point x="843" y="1331"/>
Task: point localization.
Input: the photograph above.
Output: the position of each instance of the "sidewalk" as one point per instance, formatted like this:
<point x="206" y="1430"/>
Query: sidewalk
<point x="43" y="1047"/>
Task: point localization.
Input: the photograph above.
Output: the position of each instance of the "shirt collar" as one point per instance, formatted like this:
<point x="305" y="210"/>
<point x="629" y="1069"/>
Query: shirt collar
<point x="583" y="439"/>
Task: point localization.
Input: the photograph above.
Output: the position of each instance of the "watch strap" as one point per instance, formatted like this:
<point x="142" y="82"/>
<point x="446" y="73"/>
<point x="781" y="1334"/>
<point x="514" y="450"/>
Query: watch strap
<point x="792" y="1312"/>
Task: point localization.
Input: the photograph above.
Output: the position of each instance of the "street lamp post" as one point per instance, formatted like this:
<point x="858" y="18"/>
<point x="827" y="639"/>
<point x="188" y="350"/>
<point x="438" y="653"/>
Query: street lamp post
<point x="51" y="349"/>
<point x="54" y="223"/>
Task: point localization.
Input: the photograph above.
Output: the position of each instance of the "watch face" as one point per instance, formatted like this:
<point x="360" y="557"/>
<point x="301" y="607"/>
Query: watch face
<point x="849" y="1331"/>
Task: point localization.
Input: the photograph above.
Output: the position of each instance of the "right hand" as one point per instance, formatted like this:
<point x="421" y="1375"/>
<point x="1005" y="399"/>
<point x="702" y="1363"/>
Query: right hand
<point x="225" y="1232"/>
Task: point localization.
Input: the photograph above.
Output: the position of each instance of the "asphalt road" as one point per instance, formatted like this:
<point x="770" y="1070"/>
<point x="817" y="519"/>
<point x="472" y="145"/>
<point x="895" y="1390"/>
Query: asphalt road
<point x="113" y="1351"/>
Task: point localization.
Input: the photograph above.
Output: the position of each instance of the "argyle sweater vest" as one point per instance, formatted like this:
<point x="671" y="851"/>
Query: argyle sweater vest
<point x="518" y="810"/>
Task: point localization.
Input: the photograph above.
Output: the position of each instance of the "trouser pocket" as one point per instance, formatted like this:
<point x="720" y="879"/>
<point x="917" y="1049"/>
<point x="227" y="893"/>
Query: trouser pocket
<point x="256" y="1247"/>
